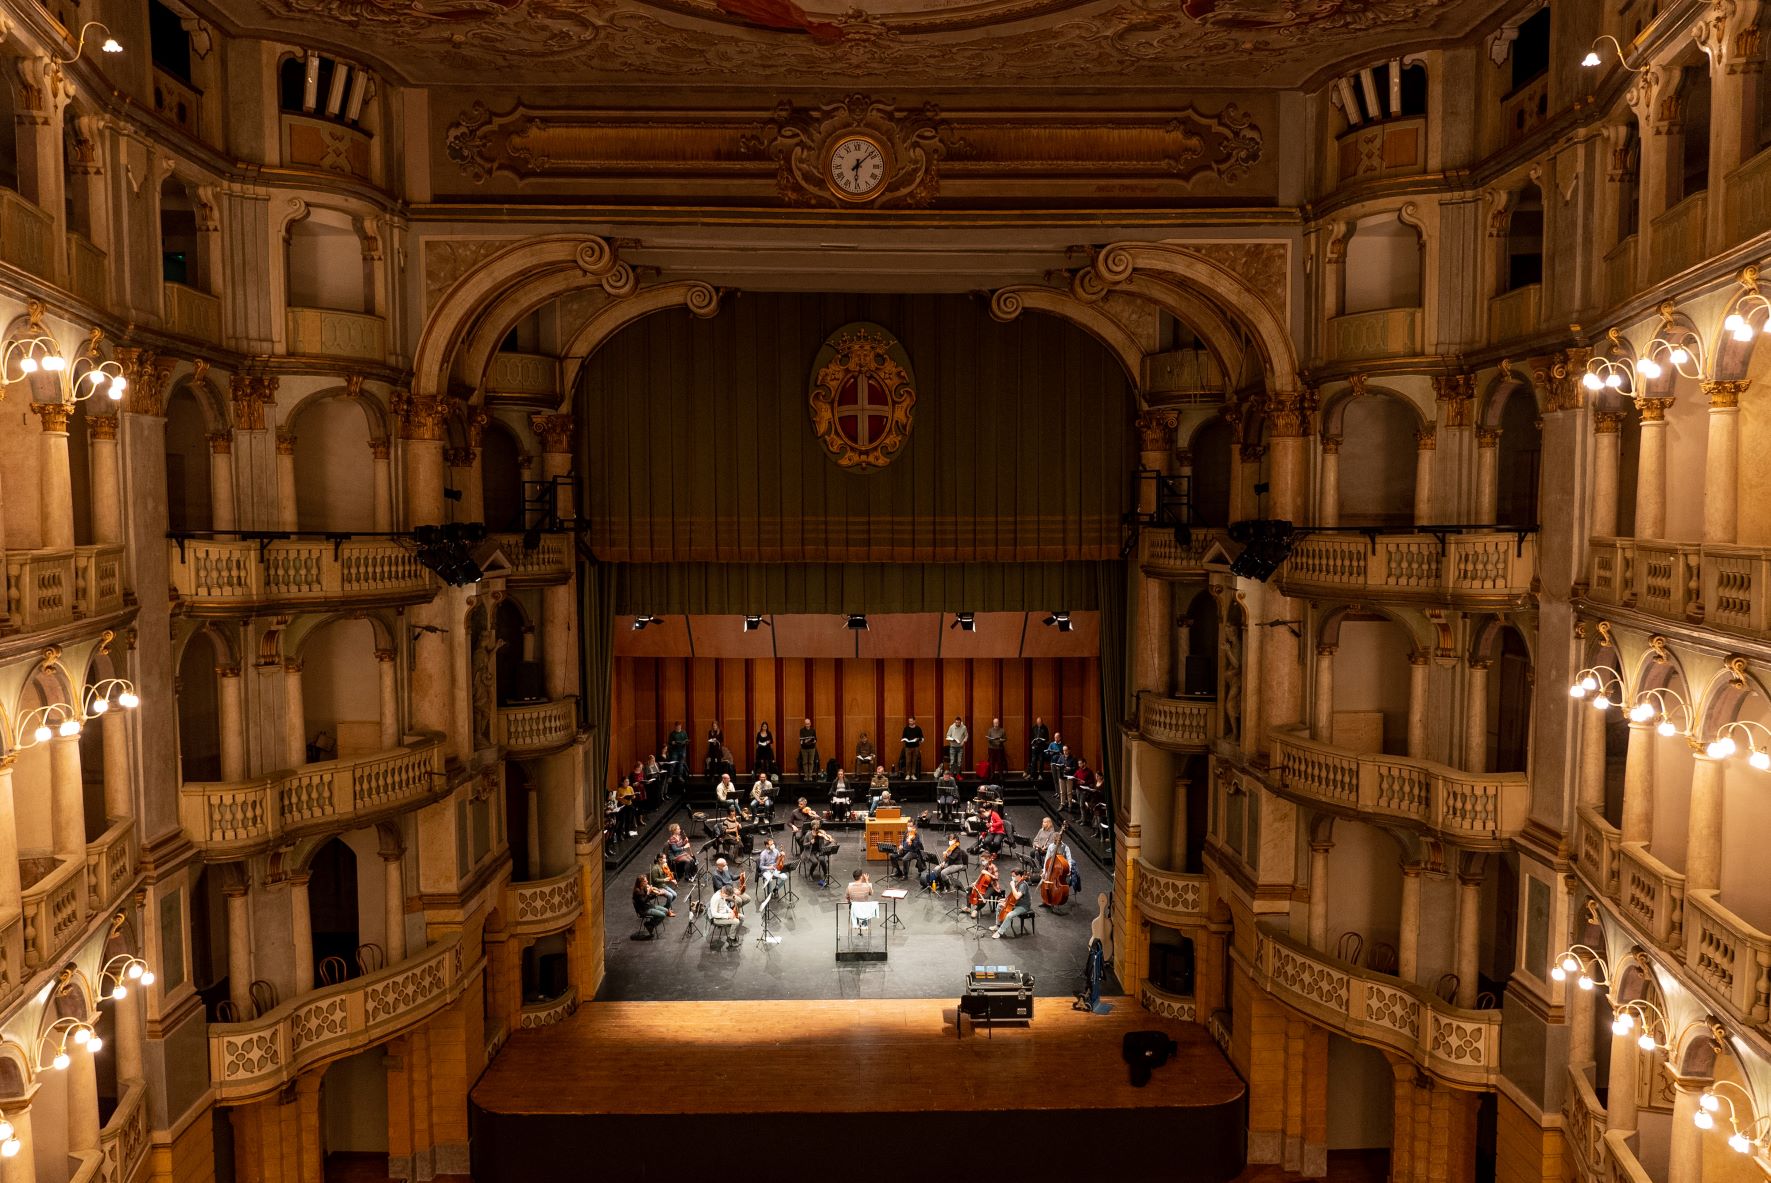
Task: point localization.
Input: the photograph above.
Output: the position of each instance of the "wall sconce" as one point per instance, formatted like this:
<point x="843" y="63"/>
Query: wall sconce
<point x="1758" y="743"/>
<point x="1660" y="702"/>
<point x="1748" y="305"/>
<point x="9" y="1143"/>
<point x="1604" y="373"/>
<point x="76" y="1031"/>
<point x="1601" y="683"/>
<point x="98" y="696"/>
<point x="1592" y="59"/>
<point x="25" y="358"/>
<point x="44" y="723"/>
<point x="120" y="970"/>
<point x="1682" y="349"/>
<point x="1581" y="961"/>
<point x="1747" y="1139"/>
<point x="1640" y="1012"/>
<point x="109" y="45"/>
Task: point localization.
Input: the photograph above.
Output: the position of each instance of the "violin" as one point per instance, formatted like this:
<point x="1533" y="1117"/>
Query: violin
<point x="1054" y="887"/>
<point x="986" y="882"/>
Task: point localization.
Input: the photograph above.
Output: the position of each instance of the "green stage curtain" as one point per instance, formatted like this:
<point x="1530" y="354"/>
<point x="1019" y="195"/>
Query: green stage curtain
<point x="734" y="589"/>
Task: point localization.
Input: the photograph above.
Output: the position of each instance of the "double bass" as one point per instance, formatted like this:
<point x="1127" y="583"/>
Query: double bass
<point x="987" y="882"/>
<point x="1054" y="886"/>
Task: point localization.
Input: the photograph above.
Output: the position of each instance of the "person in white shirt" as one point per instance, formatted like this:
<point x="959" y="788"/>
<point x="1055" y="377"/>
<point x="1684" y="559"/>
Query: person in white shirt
<point x="722" y="913"/>
<point x="957" y="736"/>
<point x="762" y="795"/>
<point x="725" y="790"/>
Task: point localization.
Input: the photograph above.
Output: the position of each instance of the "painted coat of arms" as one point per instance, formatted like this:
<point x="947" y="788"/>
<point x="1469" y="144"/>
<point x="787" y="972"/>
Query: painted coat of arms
<point x="863" y="396"/>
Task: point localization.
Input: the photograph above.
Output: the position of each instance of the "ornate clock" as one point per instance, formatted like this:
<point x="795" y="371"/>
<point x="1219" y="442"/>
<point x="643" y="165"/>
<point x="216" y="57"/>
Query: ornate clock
<point x="856" y="166"/>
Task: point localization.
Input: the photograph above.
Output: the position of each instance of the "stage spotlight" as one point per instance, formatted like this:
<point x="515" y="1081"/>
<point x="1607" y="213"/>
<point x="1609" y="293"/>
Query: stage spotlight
<point x="1266" y="545"/>
<point x="856" y="620"/>
<point x="1059" y="621"/>
<point x="965" y="622"/>
<point x="752" y="623"/>
<point x="446" y="550"/>
<point x="640" y="622"/>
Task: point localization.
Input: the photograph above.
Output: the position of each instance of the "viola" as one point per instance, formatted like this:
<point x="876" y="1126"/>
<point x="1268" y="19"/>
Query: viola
<point x="1054" y="888"/>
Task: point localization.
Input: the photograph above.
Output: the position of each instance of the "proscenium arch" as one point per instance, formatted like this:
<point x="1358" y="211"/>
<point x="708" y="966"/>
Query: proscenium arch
<point x="1008" y="303"/>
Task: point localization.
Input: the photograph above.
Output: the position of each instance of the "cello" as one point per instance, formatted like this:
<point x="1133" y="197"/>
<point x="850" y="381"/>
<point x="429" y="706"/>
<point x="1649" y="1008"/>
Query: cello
<point x="1010" y="897"/>
<point x="987" y="882"/>
<point x="1054" y="885"/>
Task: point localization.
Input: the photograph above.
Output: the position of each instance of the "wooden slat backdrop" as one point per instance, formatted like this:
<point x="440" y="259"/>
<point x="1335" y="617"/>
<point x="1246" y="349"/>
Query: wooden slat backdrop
<point x="845" y="696"/>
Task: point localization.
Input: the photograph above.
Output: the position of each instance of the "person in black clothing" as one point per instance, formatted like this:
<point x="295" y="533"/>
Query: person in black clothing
<point x="908" y="851"/>
<point x="910" y="756"/>
<point x="950" y="872"/>
<point x="765" y="750"/>
<point x="840" y="801"/>
<point x="716" y="740"/>
<point x="819" y="847"/>
<point x="676" y="752"/>
<point x="1038" y="740"/>
<point x="649" y="906"/>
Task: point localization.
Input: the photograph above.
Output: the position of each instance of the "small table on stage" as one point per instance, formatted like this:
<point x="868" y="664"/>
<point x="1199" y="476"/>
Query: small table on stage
<point x="890" y="829"/>
<point x="892" y="895"/>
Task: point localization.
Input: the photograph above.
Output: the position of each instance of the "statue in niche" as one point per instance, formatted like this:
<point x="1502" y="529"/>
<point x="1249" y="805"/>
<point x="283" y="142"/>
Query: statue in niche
<point x="485" y="679"/>
<point x="1231" y="695"/>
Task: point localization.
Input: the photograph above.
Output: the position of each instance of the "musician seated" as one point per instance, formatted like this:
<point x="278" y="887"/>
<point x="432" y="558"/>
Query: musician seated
<point x="1021" y="892"/>
<point x="908" y="851"/>
<point x="986" y="890"/>
<point x="663" y="881"/>
<point x="722" y="913"/>
<point x="946" y="792"/>
<point x="800" y="822"/>
<point x="725" y="790"/>
<point x="731" y="834"/>
<point x="1044" y="838"/>
<point x="995" y="834"/>
<point x="950" y="871"/>
<point x="819" y="847"/>
<point x="880" y="782"/>
<point x="679" y="852"/>
<point x="762" y="796"/>
<point x="859" y="893"/>
<point x="724" y="877"/>
<point x="649" y="907"/>
<point x="989" y="796"/>
<point x="771" y="869"/>
<point x="840" y="801"/>
<point x="881" y="800"/>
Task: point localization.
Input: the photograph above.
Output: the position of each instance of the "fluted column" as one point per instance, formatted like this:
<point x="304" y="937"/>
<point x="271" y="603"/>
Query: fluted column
<point x="82" y="1094"/>
<point x="1426" y="440"/>
<point x="230" y="702"/>
<point x="1408" y="939"/>
<point x="221" y="481"/>
<point x="1721" y="462"/>
<point x="1684" y="1163"/>
<point x="1328" y="498"/>
<point x="394" y="884"/>
<point x="1638" y="785"/>
<point x="1476" y="717"/>
<point x="1703" y="841"/>
<point x="1580" y="1027"/>
<point x="1605" y="461"/>
<point x="1487" y="475"/>
<point x="1651" y="469"/>
<point x="1620" y="1086"/>
<point x="240" y="947"/>
<point x="1420" y="671"/>
<point x="1469" y="919"/>
<point x="431" y="690"/>
<point x="389" y="685"/>
<point x="1319" y="895"/>
<point x="126" y="1035"/>
<point x="114" y="740"/>
<point x="288" y="515"/>
<point x="301" y="932"/>
<point x="67" y="800"/>
<point x="381" y="481"/>
<point x="1322" y="698"/>
<point x="1591" y="778"/>
<point x="56" y="503"/>
<point x="11" y="891"/>
<point x="294" y="716"/>
<point x="107" y="488"/>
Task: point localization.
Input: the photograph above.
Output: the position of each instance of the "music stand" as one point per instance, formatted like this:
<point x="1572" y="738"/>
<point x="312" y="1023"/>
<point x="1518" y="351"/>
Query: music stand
<point x="892" y="895"/>
<point x="852" y="952"/>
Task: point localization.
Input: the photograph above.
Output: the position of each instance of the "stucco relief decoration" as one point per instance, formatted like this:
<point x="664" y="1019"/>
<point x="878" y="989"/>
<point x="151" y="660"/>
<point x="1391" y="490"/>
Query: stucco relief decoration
<point x="863" y="397"/>
<point x="795" y="138"/>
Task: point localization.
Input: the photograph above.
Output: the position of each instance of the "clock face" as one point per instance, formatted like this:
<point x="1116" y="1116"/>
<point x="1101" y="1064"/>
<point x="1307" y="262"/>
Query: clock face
<point x="857" y="168"/>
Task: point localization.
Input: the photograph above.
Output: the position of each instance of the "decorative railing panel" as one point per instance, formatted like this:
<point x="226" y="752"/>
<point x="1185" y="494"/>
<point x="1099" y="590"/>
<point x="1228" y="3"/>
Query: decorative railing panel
<point x="1161" y="556"/>
<point x="1390" y="148"/>
<point x="1595" y="851"/>
<point x="1677" y="237"/>
<point x="1177" y="722"/>
<point x="549" y="561"/>
<point x="98" y="579"/>
<point x="1619" y="277"/>
<point x="546" y="905"/>
<point x="177" y="102"/>
<point x="1668" y="576"/>
<point x="53" y="909"/>
<point x="12" y="956"/>
<point x="1385" y="332"/>
<point x="110" y="865"/>
<point x="238" y="817"/>
<point x="40" y="588"/>
<point x="123" y="1143"/>
<point x="523" y="373"/>
<point x="1170" y="1006"/>
<point x="1473" y="567"/>
<point x="26" y="235"/>
<point x="546" y="1014"/>
<point x="325" y="145"/>
<point x="1728" y="955"/>
<point x="192" y="313"/>
<point x="227" y="573"/>
<point x="1514" y="314"/>
<point x="538" y="727"/>
<point x="255" y="1058"/>
<point x="1620" y="1164"/>
<point x="1583" y="1121"/>
<point x="1184" y="375"/>
<point x="1747" y="199"/>
<point x="328" y="332"/>
<point x="1652" y="893"/>
<point x="1468" y="806"/>
<point x="1173" y="898"/>
<point x="1456" y="1045"/>
<point x="86" y="271"/>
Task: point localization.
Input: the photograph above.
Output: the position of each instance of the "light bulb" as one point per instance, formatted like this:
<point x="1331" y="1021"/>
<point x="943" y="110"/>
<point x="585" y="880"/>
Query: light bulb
<point x="1589" y="683"/>
<point x="127" y="700"/>
<point x="1591" y="381"/>
<point x="1720" y="748"/>
<point x="10" y="1148"/>
<point x="1650" y="368"/>
<point x="1760" y="760"/>
<point x="1679" y="356"/>
<point x="111" y="45"/>
<point x="42" y="734"/>
<point x="1642" y="712"/>
<point x="1734" y="322"/>
<point x="69" y="728"/>
<point x="6" y="1130"/>
<point x="55" y="363"/>
<point x="1601" y="703"/>
<point x="1743" y="333"/>
<point x="100" y="705"/>
<point x="1704" y="1120"/>
<point x="1570" y="963"/>
<point x="1739" y="1142"/>
<point x="1666" y="727"/>
<point x="1614" y="380"/>
<point x="1558" y="974"/>
<point x="95" y="1043"/>
<point x="1710" y="1101"/>
<point x="61" y="1062"/>
<point x="118" y="385"/>
<point x="120" y="991"/>
<point x="1623" y="1023"/>
<point x="1645" y="1042"/>
<point x="1591" y="59"/>
<point x="1577" y="691"/>
<point x="27" y="365"/>
<point x="134" y="970"/>
<point x="82" y="1034"/>
<point x="1585" y="982"/>
<point x="147" y="977"/>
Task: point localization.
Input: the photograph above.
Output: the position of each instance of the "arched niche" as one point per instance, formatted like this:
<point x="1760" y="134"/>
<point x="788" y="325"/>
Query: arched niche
<point x="1376" y="427"/>
<point x="190" y="502"/>
<point x="334" y="432"/>
<point x="1508" y="688"/>
<point x="1371" y="662"/>
<point x="1383" y="265"/>
<point x="341" y="686"/>
<point x="199" y="706"/>
<point x="326" y="267"/>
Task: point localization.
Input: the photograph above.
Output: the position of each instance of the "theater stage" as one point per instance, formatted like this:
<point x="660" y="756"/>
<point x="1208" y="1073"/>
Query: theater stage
<point x="869" y="1089"/>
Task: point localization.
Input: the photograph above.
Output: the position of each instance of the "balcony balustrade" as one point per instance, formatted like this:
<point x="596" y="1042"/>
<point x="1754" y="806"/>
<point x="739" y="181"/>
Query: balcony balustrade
<point x="549" y="561"/>
<point x="1184" y="376"/>
<point x="26" y="235"/>
<point x="1161" y="557"/>
<point x="1173" y="898"/>
<point x="110" y="865"/>
<point x="332" y="332"/>
<point x="1728" y="955"/>
<point x="1731" y="584"/>
<point x="544" y="906"/>
<point x="177" y="102"/>
<point x="1652" y="894"/>
<point x="1173" y="1006"/>
<point x="255" y="1058"/>
<point x="1182" y="723"/>
<point x="1583" y="1119"/>
<point x="1525" y="110"/>
<point x="546" y="1014"/>
<point x="325" y="145"/>
<point x="1515" y="314"/>
<point x="192" y="313"/>
<point x="1619" y="274"/>
<point x="1393" y="147"/>
<point x="123" y="1143"/>
<point x="12" y="955"/>
<point x="86" y="270"/>
<point x="223" y="576"/>
<point x="232" y="819"/>
<point x="1747" y="199"/>
<point x="1386" y="332"/>
<point x="524" y="374"/>
<point x="1618" y="1163"/>
<point x="1677" y="240"/>
<point x="1595" y="852"/>
<point x="39" y="588"/>
<point x="536" y="728"/>
<point x="53" y="908"/>
<point x="1471" y="808"/>
<point x="1478" y="568"/>
<point x="1455" y="1045"/>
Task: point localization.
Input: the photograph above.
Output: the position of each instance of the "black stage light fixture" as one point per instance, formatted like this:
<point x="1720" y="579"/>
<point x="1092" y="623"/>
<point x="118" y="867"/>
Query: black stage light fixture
<point x="446" y="550"/>
<point x="965" y="622"/>
<point x="752" y="623"/>
<point x="1144" y="1051"/>
<point x="1060" y="621"/>
<point x="640" y="622"/>
<point x="855" y="620"/>
<point x="1266" y="544"/>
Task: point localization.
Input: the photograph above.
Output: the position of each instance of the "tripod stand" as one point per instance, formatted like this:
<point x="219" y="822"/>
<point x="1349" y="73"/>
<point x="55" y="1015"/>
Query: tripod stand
<point x="767" y="936"/>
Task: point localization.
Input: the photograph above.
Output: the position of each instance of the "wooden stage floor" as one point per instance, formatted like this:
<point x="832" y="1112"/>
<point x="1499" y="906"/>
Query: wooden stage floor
<point x="611" y="1088"/>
